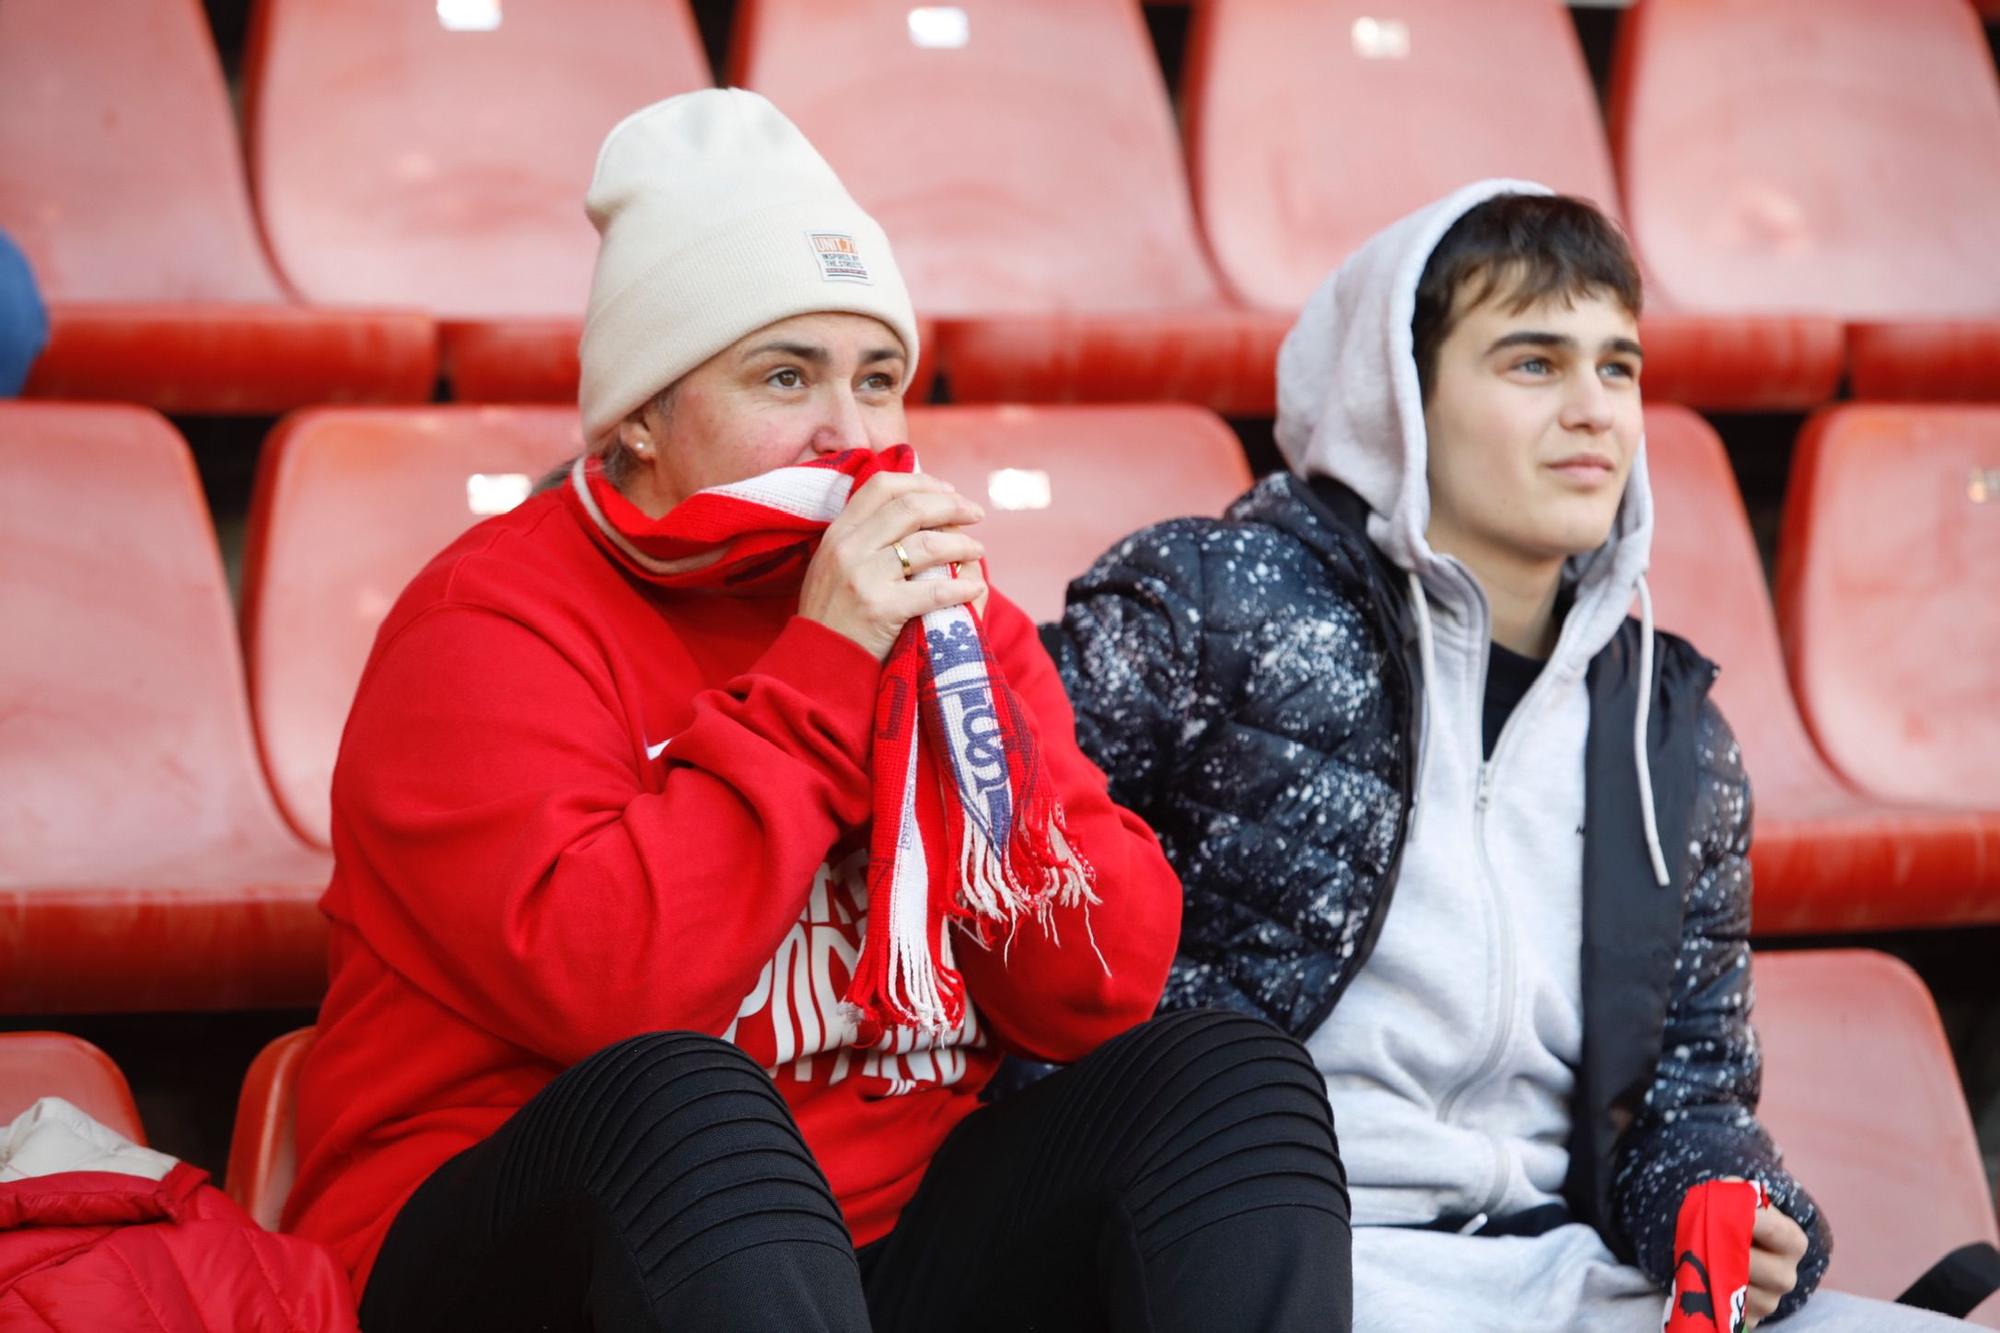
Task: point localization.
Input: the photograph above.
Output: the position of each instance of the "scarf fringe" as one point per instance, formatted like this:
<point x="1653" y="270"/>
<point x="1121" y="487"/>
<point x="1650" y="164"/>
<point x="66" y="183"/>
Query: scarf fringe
<point x="905" y="976"/>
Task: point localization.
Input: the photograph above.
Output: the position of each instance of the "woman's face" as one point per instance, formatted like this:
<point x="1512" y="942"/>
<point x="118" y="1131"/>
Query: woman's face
<point x="805" y="386"/>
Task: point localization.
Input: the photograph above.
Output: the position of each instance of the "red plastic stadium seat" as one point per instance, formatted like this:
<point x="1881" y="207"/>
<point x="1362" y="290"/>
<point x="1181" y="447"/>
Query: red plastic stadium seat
<point x="1941" y="361"/>
<point x="1312" y="124"/>
<point x="1826" y="157"/>
<point x="1861" y="1094"/>
<point x="1885" y="591"/>
<point x="1739" y="362"/>
<point x="1060" y="485"/>
<point x="1826" y="857"/>
<point x="142" y="863"/>
<point x="452" y="175"/>
<point x="124" y="185"/>
<point x="350" y="504"/>
<point x="262" y="1149"/>
<point x="1224" y="359"/>
<point x="34" y="1065"/>
<point x="1021" y="155"/>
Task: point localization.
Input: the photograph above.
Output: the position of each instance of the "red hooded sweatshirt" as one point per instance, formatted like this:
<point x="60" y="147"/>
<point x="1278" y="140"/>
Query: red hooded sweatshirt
<point x="572" y="806"/>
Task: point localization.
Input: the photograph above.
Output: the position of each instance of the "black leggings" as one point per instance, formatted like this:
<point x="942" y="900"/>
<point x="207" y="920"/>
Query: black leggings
<point x="1182" y="1177"/>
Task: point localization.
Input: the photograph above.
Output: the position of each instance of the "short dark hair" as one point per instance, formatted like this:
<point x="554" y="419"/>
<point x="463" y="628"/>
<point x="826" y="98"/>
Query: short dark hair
<point x="1529" y="246"/>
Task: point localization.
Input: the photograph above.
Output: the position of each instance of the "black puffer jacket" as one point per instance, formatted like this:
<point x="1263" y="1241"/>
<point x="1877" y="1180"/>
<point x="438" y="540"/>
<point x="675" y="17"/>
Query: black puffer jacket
<point x="1249" y="685"/>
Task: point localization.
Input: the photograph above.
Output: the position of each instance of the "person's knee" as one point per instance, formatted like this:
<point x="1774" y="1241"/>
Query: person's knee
<point x="670" y="1116"/>
<point x="1212" y="1054"/>
<point x="656" y="1058"/>
<point x="1216" y="1086"/>
<point x="686" y="1078"/>
<point x="1227" y="1118"/>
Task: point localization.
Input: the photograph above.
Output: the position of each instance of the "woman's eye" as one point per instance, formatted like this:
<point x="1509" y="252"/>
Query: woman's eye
<point x="881" y="383"/>
<point x="1535" y="365"/>
<point x="787" y="378"/>
<point x="1620" y="370"/>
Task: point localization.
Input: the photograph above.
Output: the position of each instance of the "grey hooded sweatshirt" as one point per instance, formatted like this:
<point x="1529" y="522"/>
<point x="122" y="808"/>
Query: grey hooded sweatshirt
<point x="1452" y="1056"/>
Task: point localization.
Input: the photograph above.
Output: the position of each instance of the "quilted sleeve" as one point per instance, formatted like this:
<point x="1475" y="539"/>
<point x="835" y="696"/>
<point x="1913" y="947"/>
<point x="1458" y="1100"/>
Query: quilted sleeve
<point x="1129" y="649"/>
<point x="1699" y="1118"/>
<point x="1233" y="682"/>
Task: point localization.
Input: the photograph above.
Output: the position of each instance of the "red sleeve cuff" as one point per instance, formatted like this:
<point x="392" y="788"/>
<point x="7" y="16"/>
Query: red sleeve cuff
<point x="836" y="673"/>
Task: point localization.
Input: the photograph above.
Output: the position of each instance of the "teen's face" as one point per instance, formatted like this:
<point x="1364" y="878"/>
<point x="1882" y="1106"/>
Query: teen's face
<point x="1533" y="422"/>
<point x="810" y="385"/>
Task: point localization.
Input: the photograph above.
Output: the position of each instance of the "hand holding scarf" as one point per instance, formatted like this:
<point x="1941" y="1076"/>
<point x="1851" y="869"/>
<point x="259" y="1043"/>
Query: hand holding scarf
<point x="966" y="825"/>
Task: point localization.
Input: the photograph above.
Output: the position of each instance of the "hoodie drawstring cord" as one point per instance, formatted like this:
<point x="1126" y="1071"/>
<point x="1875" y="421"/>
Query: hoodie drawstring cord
<point x="1427" y="686"/>
<point x="1642" y="716"/>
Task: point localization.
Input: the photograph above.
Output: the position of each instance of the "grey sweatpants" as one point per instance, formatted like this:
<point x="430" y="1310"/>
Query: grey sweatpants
<point x="1426" y="1281"/>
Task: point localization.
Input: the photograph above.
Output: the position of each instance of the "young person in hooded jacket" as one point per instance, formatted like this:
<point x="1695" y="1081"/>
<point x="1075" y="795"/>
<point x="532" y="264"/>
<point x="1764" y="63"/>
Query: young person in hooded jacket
<point x="1383" y="716"/>
<point x="683" y="904"/>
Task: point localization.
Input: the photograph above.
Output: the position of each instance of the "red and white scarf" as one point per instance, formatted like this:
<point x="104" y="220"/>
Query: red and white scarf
<point x="967" y="826"/>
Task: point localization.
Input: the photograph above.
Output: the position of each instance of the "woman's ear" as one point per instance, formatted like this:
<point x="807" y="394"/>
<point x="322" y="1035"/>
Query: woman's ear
<point x="634" y="436"/>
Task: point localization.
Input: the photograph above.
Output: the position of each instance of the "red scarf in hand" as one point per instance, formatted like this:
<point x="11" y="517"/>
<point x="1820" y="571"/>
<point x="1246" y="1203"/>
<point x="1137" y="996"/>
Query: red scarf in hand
<point x="967" y="827"/>
<point x="1712" y="1257"/>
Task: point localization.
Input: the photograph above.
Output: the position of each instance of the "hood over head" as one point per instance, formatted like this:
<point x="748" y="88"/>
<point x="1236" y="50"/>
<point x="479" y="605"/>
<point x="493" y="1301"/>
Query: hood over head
<point x="1350" y="408"/>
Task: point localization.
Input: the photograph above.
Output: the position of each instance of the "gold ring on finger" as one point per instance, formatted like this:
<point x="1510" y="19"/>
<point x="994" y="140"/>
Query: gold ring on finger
<point x="903" y="556"/>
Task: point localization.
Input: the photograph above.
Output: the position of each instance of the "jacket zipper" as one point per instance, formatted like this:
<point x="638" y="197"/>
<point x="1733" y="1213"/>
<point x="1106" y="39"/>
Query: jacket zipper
<point x="1482" y="801"/>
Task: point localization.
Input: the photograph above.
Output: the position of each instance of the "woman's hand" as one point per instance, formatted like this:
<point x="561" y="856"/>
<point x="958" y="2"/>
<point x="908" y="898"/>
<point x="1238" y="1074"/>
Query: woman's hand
<point x="1776" y="1246"/>
<point x="856" y="584"/>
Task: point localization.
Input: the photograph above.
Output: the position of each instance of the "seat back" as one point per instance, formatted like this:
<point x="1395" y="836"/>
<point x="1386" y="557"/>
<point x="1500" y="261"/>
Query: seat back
<point x="1314" y="123"/>
<point x="349" y="505"/>
<point x="130" y="746"/>
<point x="453" y="174"/>
<point x="1861" y="1094"/>
<point x="1021" y="154"/>
<point x="34" y="1065"/>
<point x="124" y="181"/>
<point x="1892" y="632"/>
<point x="263" y="1148"/>
<point x="1836" y="157"/>
<point x="1060" y="485"/>
<point x="1708" y="585"/>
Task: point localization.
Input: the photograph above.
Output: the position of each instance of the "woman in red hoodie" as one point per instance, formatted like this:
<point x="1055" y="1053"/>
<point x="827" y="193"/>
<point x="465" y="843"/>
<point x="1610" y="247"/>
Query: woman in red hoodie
<point x="706" y="831"/>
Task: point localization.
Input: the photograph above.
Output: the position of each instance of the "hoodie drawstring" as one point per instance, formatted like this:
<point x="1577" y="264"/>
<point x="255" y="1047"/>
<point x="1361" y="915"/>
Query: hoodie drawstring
<point x="1641" y="717"/>
<point x="1427" y="686"/>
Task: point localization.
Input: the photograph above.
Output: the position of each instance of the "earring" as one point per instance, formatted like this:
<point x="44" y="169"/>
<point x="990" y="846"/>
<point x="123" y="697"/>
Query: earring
<point x="641" y="448"/>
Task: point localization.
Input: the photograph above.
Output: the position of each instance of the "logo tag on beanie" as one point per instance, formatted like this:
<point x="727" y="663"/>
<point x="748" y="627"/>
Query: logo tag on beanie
<point x="839" y="259"/>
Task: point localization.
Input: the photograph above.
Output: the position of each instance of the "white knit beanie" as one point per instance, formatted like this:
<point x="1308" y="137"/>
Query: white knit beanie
<point x="716" y="218"/>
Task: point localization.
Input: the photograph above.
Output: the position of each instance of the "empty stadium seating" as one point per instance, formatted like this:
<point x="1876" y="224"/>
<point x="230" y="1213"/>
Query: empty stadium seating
<point x="1311" y="124"/>
<point x="125" y="188"/>
<point x="1830" y="157"/>
<point x="1826" y="857"/>
<point x="1021" y="155"/>
<point x="1861" y="1093"/>
<point x="1891" y="624"/>
<point x="1061" y="484"/>
<point x="262" y="1150"/>
<point x="452" y="174"/>
<point x="34" y="1065"/>
<point x="350" y="504"/>
<point x="142" y="863"/>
